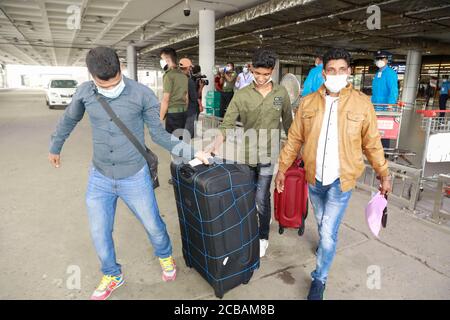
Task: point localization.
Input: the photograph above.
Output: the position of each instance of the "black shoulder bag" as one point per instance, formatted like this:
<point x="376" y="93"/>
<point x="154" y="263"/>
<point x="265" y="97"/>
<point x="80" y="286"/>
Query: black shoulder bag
<point x="149" y="156"/>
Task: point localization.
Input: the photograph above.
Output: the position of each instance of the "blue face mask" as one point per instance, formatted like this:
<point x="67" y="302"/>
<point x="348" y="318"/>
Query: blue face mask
<point x="114" y="92"/>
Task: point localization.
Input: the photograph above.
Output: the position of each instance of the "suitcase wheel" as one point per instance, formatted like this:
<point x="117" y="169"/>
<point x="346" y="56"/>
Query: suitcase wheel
<point x="280" y="230"/>
<point x="219" y="294"/>
<point x="186" y="261"/>
<point x="248" y="279"/>
<point x="301" y="230"/>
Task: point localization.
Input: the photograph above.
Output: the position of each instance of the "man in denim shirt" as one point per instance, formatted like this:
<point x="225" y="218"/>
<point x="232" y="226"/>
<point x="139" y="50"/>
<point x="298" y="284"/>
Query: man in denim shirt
<point x="119" y="170"/>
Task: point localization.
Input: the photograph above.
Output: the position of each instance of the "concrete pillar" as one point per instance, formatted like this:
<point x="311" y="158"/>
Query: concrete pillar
<point x="411" y="136"/>
<point x="3" y="76"/>
<point x="132" y="61"/>
<point x="207" y="38"/>
<point x="276" y="73"/>
<point x="412" y="73"/>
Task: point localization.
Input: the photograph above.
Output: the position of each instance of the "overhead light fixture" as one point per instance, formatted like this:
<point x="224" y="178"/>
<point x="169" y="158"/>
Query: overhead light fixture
<point x="100" y="20"/>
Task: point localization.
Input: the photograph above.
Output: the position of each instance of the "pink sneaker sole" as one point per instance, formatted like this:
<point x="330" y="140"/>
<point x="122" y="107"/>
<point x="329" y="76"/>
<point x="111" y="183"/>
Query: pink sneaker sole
<point x="107" y="293"/>
<point x="169" y="278"/>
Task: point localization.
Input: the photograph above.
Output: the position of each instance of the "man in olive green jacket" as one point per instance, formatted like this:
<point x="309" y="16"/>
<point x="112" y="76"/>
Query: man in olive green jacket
<point x="335" y="126"/>
<point x="174" y="103"/>
<point x="260" y="106"/>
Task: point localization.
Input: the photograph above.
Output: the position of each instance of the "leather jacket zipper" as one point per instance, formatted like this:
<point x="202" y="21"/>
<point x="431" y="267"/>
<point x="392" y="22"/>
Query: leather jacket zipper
<point x="326" y="137"/>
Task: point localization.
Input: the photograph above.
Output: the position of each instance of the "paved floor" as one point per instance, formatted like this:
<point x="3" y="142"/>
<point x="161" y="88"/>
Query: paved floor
<point x="44" y="238"/>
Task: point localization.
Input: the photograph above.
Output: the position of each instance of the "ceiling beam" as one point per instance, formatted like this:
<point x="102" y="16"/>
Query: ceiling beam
<point x="18" y="52"/>
<point x="264" y="9"/>
<point x="137" y="28"/>
<point x="19" y="33"/>
<point x="105" y="30"/>
<point x="10" y="57"/>
<point x="111" y="24"/>
<point x="83" y="7"/>
<point x="46" y="24"/>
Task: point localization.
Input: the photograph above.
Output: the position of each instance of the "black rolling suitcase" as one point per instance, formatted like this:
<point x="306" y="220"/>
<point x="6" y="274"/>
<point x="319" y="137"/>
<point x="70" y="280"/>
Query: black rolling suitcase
<point x="218" y="222"/>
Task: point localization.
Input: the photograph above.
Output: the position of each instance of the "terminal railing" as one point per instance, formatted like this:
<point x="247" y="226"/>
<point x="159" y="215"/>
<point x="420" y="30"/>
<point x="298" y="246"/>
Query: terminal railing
<point x="405" y="183"/>
<point x="442" y="190"/>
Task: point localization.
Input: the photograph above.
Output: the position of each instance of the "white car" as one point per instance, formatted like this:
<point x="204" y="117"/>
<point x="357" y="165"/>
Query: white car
<point x="60" y="92"/>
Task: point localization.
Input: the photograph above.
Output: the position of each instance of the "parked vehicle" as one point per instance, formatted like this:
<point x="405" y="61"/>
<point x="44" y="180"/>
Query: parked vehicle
<point x="60" y="91"/>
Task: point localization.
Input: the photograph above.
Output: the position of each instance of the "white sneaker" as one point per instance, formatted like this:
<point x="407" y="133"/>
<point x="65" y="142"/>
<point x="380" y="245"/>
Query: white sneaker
<point x="263" y="245"/>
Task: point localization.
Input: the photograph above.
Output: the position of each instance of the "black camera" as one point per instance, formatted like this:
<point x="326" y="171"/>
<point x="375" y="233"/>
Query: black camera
<point x="198" y="77"/>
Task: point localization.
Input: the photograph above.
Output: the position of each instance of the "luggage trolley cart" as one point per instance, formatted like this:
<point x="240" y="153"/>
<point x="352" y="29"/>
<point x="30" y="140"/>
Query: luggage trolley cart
<point x="437" y="148"/>
<point x="389" y="118"/>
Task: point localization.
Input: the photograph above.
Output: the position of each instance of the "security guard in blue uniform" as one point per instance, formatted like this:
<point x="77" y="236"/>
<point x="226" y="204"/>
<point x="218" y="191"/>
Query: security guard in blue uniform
<point x="314" y="79"/>
<point x="445" y="89"/>
<point x="384" y="84"/>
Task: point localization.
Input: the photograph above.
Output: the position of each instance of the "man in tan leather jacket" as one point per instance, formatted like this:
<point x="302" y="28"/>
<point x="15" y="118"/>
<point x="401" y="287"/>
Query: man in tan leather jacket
<point x="335" y="126"/>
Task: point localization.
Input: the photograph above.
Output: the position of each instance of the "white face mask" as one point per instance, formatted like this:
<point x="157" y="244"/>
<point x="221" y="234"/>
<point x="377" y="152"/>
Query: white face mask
<point x="336" y="83"/>
<point x="380" y="63"/>
<point x="163" y="64"/>
<point x="245" y="70"/>
<point x="114" y="92"/>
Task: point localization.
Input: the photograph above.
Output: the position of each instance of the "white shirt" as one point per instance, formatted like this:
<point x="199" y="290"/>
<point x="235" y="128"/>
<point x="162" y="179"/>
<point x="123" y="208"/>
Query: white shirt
<point x="243" y="80"/>
<point x="327" y="158"/>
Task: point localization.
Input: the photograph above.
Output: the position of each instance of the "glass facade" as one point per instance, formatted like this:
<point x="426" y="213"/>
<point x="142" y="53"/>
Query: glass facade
<point x="434" y="68"/>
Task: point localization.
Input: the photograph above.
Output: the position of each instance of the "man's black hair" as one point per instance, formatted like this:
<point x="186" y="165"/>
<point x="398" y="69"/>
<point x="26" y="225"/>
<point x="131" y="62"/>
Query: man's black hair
<point x="264" y="58"/>
<point x="231" y="64"/>
<point x="336" y="54"/>
<point x="103" y="63"/>
<point x="196" y="69"/>
<point x="171" y="53"/>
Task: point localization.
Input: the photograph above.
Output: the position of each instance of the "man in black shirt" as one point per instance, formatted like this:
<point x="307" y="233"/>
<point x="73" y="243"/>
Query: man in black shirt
<point x="193" y="105"/>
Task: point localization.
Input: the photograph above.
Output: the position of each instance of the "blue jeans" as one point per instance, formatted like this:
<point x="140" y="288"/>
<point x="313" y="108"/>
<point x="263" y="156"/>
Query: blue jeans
<point x="263" y="178"/>
<point x="329" y="203"/>
<point x="137" y="193"/>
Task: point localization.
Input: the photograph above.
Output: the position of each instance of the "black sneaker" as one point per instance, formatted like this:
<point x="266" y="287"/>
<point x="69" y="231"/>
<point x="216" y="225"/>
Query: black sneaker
<point x="316" y="290"/>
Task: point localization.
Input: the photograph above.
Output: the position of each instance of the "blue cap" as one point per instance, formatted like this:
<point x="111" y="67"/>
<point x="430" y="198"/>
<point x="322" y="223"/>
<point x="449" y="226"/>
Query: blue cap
<point x="383" y="54"/>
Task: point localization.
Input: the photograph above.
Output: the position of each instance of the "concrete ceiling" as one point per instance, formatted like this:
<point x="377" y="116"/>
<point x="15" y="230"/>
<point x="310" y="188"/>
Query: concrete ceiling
<point x="299" y="29"/>
<point x="42" y="32"/>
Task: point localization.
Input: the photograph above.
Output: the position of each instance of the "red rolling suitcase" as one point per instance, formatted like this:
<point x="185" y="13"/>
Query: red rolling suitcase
<point x="291" y="205"/>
